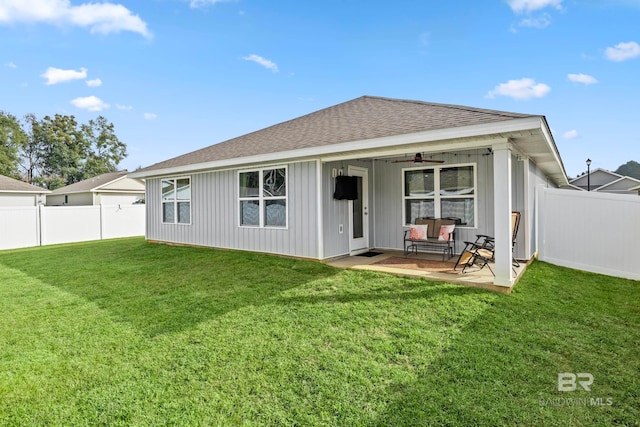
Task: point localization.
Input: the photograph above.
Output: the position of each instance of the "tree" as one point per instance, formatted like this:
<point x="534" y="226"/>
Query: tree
<point x="63" y="151"/>
<point x="105" y="149"/>
<point x="12" y="139"/>
<point x="31" y="163"/>
<point x="631" y="168"/>
<point x="57" y="151"/>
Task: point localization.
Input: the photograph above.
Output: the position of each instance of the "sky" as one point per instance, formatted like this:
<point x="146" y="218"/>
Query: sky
<point x="174" y="76"/>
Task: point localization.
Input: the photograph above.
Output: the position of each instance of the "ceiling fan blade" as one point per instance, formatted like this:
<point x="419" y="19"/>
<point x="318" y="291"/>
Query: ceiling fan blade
<point x="418" y="161"/>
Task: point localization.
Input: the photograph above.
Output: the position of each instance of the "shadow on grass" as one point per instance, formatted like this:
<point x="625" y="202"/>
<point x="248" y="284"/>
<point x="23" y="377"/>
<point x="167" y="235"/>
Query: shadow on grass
<point x="161" y="289"/>
<point x="502" y="368"/>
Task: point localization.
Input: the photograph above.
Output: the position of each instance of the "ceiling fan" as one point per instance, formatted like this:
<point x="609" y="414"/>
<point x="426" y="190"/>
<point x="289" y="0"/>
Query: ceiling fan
<point x="418" y="159"/>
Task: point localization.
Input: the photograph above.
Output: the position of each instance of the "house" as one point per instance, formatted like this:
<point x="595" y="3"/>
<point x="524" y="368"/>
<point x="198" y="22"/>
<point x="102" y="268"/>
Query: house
<point x="18" y="193"/>
<point x="636" y="188"/>
<point x="273" y="190"/>
<point x="113" y="188"/>
<point x="604" y="181"/>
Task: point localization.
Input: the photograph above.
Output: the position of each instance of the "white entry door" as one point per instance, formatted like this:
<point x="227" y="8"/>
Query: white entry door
<point x="359" y="212"/>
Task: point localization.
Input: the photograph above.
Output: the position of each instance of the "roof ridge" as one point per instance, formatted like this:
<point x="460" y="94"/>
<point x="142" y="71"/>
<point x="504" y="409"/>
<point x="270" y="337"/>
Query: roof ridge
<point x="452" y="106"/>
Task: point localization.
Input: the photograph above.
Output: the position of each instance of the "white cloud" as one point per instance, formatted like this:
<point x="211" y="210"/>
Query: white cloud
<point x="94" y="83"/>
<point x="520" y="89"/>
<point x="58" y="75"/>
<point x="570" y="134"/>
<point x="124" y="107"/>
<point x="262" y="61"/>
<point x="622" y="51"/>
<point x="11" y="64"/>
<point x="542" y="22"/>
<point x="102" y="18"/>
<point x="150" y="116"/>
<point x="90" y="103"/>
<point x="195" y="4"/>
<point x="526" y="6"/>
<point x="582" y="78"/>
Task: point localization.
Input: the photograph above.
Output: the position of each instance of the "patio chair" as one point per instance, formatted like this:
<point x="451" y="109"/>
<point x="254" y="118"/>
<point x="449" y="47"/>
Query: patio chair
<point x="480" y="253"/>
<point x="515" y="224"/>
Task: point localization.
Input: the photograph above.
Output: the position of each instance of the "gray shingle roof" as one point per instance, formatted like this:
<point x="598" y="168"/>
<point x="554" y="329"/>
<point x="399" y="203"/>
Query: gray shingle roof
<point x="91" y="183"/>
<point x="363" y="118"/>
<point x="10" y="184"/>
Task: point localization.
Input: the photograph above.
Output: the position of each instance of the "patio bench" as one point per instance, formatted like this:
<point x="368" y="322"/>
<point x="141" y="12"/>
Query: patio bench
<point x="431" y="235"/>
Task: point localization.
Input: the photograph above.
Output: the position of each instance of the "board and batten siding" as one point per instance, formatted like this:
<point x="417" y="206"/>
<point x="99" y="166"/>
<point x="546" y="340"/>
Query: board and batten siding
<point x="335" y="213"/>
<point x="215" y="214"/>
<point x="389" y="223"/>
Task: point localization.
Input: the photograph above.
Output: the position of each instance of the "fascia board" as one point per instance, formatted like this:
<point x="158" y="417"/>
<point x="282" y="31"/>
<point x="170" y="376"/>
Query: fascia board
<point x="121" y="191"/>
<point x="485" y="129"/>
<point x="26" y="191"/>
<point x="622" y="178"/>
<point x="564" y="179"/>
<point x="107" y="183"/>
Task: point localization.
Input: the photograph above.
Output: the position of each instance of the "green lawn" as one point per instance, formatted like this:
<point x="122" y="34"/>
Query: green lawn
<point x="124" y="332"/>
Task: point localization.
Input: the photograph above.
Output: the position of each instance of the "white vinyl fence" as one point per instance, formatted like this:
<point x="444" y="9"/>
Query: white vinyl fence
<point x="22" y="227"/>
<point x="595" y="232"/>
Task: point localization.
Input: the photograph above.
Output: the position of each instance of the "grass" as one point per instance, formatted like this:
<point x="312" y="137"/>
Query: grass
<point x="124" y="332"/>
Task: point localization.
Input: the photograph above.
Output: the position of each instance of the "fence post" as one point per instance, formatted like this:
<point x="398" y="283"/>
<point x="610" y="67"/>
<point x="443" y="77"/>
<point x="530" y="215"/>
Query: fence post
<point x="101" y="223"/>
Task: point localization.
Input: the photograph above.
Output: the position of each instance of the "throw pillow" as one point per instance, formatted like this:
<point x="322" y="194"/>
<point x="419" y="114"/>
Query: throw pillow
<point x="418" y="232"/>
<point x="445" y="232"/>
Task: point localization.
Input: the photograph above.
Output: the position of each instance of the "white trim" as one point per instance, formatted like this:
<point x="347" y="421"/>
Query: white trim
<point x="107" y="183"/>
<point x="485" y="129"/>
<point x="176" y="200"/>
<point x="244" y="167"/>
<point x="554" y="150"/>
<point x="437" y="197"/>
<point x="502" y="208"/>
<point x="372" y="202"/>
<point x="261" y="198"/>
<point x="593" y="172"/>
<point x="524" y="227"/>
<point x="26" y="192"/>
<point x="424" y="147"/>
<point x="319" y="206"/>
<point x="365" y="218"/>
<point x="622" y="178"/>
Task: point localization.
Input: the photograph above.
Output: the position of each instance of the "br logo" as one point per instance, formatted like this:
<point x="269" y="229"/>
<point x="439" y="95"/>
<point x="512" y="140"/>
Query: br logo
<point x="568" y="381"/>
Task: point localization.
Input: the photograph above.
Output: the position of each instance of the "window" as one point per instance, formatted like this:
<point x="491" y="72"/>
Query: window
<point x="263" y="197"/>
<point x="440" y="192"/>
<point x="176" y="201"/>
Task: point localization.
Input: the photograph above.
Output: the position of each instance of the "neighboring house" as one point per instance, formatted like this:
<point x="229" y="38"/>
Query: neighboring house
<point x="636" y="188"/>
<point x="604" y="181"/>
<point x="18" y="193"/>
<point x="273" y="190"/>
<point x="113" y="188"/>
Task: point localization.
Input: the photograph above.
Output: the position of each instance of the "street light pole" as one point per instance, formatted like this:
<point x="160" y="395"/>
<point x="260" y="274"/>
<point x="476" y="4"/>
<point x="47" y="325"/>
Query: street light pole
<point x="588" y="174"/>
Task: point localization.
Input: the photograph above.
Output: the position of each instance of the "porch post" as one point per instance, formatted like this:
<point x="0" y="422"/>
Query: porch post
<point x="525" y="218"/>
<point x="502" y="213"/>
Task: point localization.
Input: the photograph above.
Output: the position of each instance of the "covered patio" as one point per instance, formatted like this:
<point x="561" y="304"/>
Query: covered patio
<point x="428" y="266"/>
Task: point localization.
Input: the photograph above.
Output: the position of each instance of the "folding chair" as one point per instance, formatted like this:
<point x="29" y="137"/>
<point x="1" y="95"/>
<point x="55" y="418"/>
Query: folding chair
<point x="515" y="223"/>
<point x="479" y="253"/>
